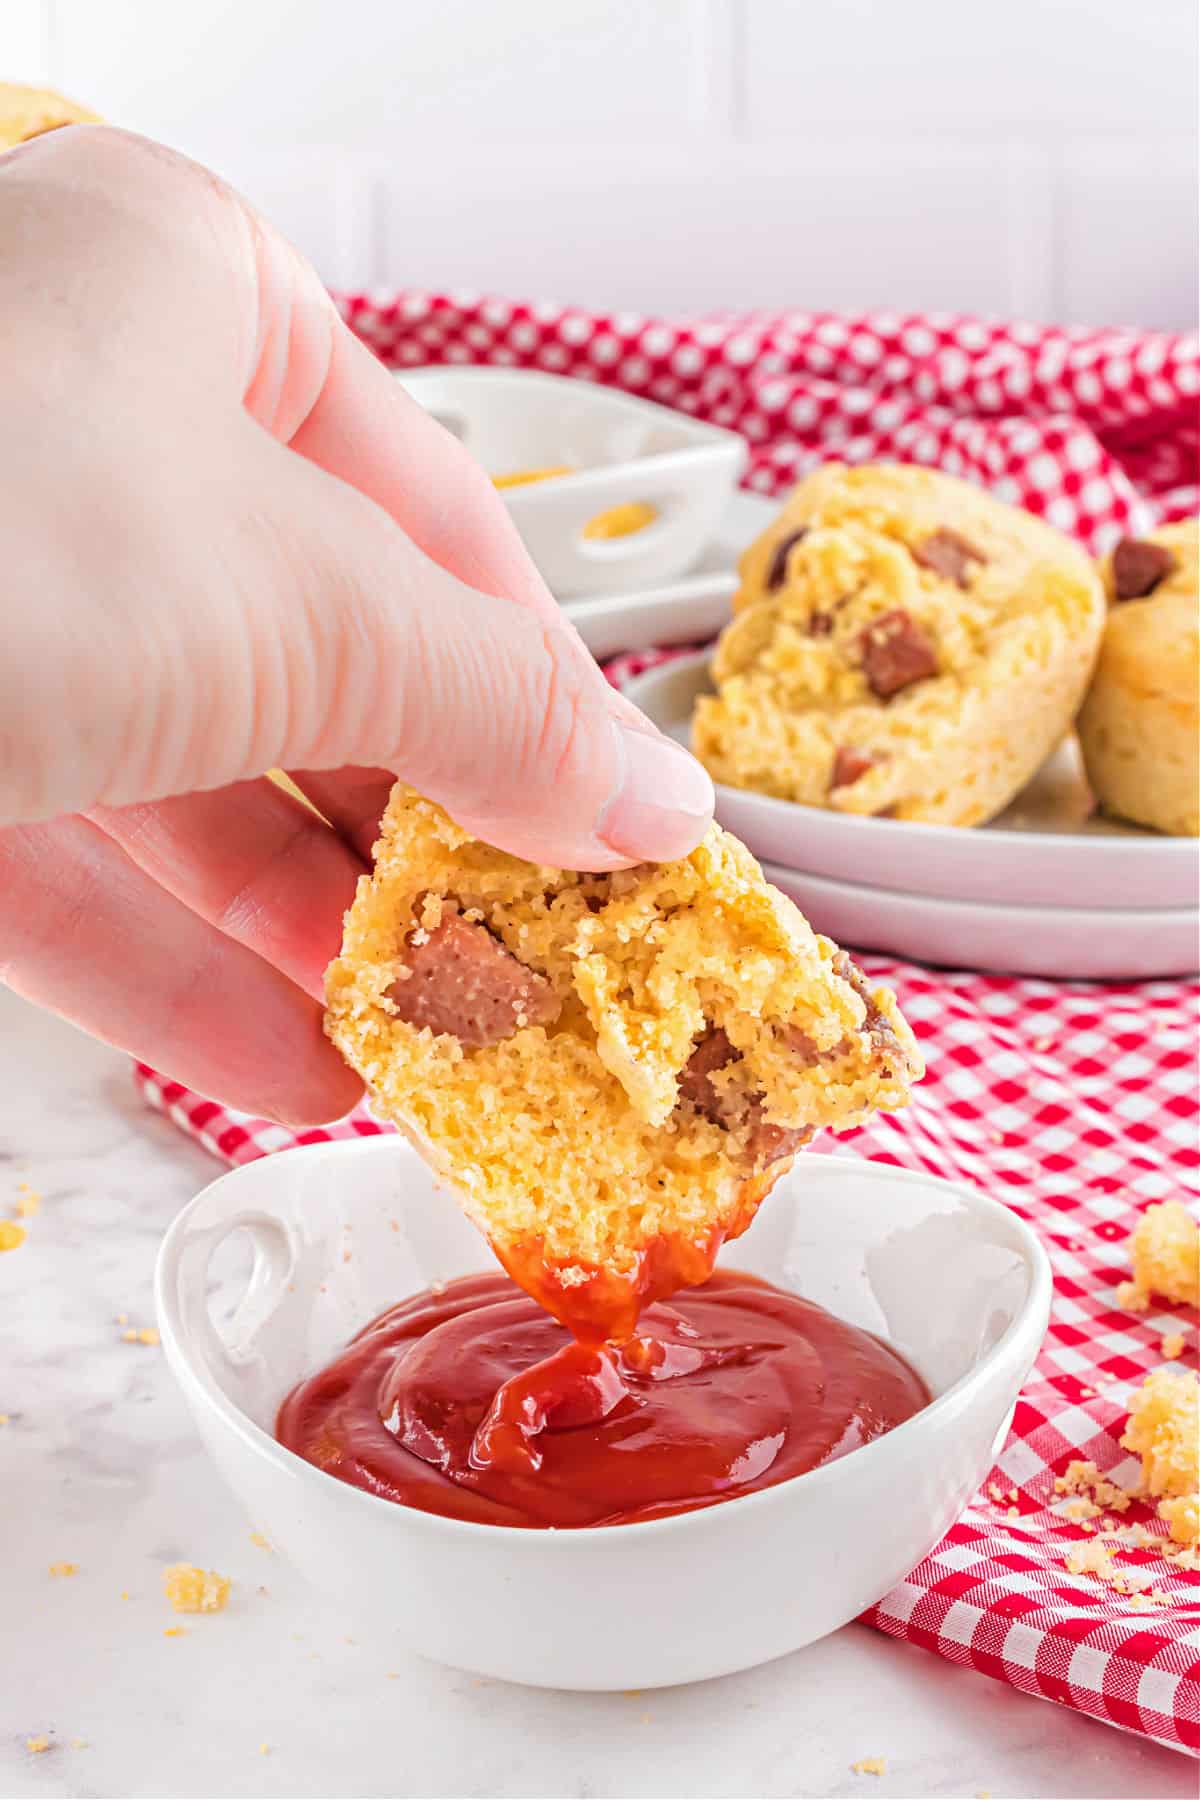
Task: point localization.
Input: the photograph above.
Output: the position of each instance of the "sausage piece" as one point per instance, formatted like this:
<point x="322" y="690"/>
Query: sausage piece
<point x="849" y="765"/>
<point x="1138" y="566"/>
<point x="948" y="554"/>
<point x="777" y="567"/>
<point x="733" y="1107"/>
<point x="895" y="652"/>
<point x="878" y="1028"/>
<point x="463" y="983"/>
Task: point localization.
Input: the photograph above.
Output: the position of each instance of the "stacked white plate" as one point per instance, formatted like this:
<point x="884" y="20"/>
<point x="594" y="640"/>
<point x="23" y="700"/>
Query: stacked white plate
<point x="1047" y="889"/>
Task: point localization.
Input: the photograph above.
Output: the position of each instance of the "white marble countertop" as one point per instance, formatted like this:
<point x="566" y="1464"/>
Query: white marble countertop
<point x="99" y="1466"/>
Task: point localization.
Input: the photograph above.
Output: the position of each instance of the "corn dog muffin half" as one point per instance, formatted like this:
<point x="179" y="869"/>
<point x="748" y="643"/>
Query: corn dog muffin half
<point x="1140" y="724"/>
<point x="26" y="112"/>
<point x="903" y="644"/>
<point x="613" y="1070"/>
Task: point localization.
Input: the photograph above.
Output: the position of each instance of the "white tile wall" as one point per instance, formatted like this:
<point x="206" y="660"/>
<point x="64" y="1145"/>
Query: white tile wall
<point x="1030" y="156"/>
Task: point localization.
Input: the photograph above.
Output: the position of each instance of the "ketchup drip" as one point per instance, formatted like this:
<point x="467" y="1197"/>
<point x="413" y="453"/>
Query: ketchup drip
<point x="473" y="1403"/>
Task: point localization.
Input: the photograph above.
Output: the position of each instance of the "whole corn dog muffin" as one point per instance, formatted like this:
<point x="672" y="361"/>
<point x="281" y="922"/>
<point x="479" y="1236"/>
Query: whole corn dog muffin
<point x="26" y="112"/>
<point x="903" y="644"/>
<point x="1140" y="724"/>
<point x="613" y="1070"/>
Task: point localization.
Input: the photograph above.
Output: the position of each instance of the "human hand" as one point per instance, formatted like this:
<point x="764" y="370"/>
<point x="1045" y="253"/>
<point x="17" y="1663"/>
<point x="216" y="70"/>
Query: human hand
<point x="230" y="542"/>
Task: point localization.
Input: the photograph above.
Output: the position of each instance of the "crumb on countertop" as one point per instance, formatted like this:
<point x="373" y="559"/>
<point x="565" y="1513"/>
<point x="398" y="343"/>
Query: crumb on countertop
<point x="174" y="1630"/>
<point x="192" y="1590"/>
<point x="870" y="1765"/>
<point x="12" y="1235"/>
<point x="29" y="1201"/>
<point x="64" y="1568"/>
<point x="141" y="1334"/>
<point x="1165" y="1253"/>
<point x="256" y="1537"/>
<point x="35" y="1745"/>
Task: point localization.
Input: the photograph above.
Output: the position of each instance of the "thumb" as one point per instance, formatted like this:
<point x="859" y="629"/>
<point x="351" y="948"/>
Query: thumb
<point x="494" y="710"/>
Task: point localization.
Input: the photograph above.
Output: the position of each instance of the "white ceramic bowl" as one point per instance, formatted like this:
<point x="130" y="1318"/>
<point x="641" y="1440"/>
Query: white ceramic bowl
<point x="954" y="1280"/>
<point x="621" y="448"/>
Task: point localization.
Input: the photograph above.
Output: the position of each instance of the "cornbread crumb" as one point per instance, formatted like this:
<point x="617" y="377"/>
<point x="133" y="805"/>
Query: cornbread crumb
<point x="12" y="1235"/>
<point x="264" y="1749"/>
<point x="1181" y="1516"/>
<point x="193" y="1590"/>
<point x="174" y="1630"/>
<point x="1164" y="1430"/>
<point x="870" y="1765"/>
<point x="1085" y="1478"/>
<point x="1165" y="1252"/>
<point x="3" y="1418"/>
<point x="124" y="1593"/>
<point x="141" y="1334"/>
<point x="256" y="1537"/>
<point x="29" y="1201"/>
<point x="1173" y="1345"/>
<point x="37" y="1744"/>
<point x="1091" y="1559"/>
<point x="122" y="1318"/>
<point x="64" y="1568"/>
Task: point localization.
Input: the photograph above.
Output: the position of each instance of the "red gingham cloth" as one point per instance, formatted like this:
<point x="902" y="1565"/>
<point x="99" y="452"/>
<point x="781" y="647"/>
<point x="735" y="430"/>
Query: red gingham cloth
<point x="1076" y="1104"/>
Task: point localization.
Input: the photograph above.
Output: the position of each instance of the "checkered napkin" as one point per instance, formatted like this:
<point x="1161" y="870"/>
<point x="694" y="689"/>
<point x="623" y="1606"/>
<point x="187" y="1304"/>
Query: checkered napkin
<point x="1075" y="1104"/>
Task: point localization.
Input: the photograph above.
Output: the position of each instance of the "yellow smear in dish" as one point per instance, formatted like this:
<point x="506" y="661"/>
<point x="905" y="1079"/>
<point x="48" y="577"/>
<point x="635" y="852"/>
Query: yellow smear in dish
<point x="621" y="521"/>
<point x="522" y="477"/>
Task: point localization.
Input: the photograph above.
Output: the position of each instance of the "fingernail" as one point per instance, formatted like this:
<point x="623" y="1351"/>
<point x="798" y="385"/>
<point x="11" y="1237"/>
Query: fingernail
<point x="663" y="802"/>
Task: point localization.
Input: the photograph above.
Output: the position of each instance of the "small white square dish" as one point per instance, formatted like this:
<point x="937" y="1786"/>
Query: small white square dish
<point x="572" y="458"/>
<point x="341" y="1231"/>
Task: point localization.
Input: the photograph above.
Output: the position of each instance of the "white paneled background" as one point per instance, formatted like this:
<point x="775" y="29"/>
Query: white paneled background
<point x="1031" y="157"/>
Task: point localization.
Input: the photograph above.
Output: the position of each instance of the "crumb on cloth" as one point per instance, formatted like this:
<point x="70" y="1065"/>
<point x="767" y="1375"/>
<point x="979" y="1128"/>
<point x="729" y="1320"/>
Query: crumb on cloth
<point x="1164" y="1430"/>
<point x="1164" y="1251"/>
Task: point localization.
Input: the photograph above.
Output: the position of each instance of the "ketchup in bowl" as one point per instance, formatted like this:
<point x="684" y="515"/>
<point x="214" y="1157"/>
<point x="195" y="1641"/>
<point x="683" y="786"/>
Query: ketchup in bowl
<point x="474" y="1403"/>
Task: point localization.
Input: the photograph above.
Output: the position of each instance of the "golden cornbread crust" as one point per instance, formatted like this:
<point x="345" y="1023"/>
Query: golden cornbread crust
<point x="1008" y="610"/>
<point x="26" y="112"/>
<point x="569" y="1143"/>
<point x="1140" y="724"/>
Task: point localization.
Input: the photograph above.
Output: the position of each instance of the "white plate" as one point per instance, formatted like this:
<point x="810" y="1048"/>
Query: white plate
<point x="618" y="449"/>
<point x="690" y="609"/>
<point x="1061" y="943"/>
<point x="1041" y="852"/>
